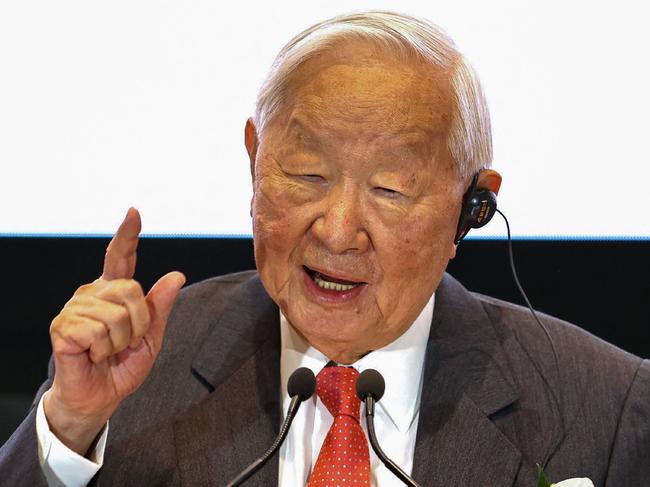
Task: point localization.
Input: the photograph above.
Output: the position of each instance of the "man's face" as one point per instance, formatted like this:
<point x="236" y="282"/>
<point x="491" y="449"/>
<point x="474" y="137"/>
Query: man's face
<point x="356" y="199"/>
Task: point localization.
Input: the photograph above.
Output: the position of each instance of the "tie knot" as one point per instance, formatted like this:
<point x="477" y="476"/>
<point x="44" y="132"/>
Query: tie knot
<point x="336" y="388"/>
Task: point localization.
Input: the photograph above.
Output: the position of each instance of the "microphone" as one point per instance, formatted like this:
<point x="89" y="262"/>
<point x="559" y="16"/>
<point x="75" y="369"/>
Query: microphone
<point x="301" y="386"/>
<point x="370" y="389"/>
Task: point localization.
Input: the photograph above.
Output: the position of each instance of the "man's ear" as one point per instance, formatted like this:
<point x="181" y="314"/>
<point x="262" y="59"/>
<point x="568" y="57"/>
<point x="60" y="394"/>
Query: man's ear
<point x="489" y="179"/>
<point x="250" y="139"/>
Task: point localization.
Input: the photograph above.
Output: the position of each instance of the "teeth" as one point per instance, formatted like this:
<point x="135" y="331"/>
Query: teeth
<point x="334" y="286"/>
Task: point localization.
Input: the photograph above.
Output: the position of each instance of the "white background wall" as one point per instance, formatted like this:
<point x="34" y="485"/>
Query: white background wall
<point x="104" y="105"/>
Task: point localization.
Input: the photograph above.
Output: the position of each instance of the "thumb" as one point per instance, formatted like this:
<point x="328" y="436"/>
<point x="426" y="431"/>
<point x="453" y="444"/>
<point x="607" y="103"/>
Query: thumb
<point x="160" y="300"/>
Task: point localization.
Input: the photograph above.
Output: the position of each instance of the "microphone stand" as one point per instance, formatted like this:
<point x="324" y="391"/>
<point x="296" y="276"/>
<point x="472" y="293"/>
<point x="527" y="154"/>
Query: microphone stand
<point x="259" y="463"/>
<point x="390" y="465"/>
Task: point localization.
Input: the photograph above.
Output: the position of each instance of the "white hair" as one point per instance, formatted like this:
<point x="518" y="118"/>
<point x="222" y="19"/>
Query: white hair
<point x="469" y="140"/>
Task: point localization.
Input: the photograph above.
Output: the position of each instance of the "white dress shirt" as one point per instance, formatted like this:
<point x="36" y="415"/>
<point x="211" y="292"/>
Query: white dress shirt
<point x="401" y="363"/>
<point x="396" y="415"/>
<point x="61" y="465"/>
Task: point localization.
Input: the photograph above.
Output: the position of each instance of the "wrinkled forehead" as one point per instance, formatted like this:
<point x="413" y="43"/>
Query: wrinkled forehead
<point x="371" y="86"/>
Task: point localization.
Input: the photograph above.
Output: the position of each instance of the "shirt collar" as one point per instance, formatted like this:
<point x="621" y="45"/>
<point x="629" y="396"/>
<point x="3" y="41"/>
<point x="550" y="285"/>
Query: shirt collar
<point x="400" y="363"/>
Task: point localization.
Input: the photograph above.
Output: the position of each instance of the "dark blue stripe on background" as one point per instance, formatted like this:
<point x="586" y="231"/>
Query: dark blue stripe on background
<point x="552" y="238"/>
<point x="110" y="235"/>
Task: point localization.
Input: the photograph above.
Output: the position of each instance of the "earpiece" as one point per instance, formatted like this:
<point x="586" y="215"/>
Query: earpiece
<point x="479" y="206"/>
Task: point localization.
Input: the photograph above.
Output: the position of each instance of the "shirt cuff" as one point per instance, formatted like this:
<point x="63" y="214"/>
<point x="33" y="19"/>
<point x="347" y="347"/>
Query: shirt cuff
<point x="61" y="465"/>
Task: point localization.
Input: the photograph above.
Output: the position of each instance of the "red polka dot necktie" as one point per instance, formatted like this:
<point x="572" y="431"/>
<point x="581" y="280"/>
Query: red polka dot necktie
<point x="344" y="458"/>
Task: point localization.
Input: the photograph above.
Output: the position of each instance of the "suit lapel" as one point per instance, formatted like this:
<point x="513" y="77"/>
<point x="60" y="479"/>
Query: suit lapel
<point x="238" y="420"/>
<point x="466" y="381"/>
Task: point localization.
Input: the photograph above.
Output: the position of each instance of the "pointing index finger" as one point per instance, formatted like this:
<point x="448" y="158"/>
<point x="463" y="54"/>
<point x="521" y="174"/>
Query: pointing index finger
<point x="119" y="262"/>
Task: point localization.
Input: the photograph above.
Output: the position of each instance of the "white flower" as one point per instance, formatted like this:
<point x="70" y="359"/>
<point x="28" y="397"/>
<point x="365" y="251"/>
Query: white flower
<point x="584" y="482"/>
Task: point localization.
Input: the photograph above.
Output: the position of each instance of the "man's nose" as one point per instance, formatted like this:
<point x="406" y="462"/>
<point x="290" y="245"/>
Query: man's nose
<point x="341" y="225"/>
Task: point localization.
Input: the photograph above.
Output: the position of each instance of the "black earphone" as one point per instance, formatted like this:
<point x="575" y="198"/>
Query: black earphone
<point x="479" y="206"/>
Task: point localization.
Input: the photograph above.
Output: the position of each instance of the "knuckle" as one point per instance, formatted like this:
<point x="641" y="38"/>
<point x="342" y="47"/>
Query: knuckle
<point x="91" y="288"/>
<point x="132" y="289"/>
<point x="84" y="289"/>
<point x="76" y="300"/>
<point x="122" y="315"/>
<point x="64" y="320"/>
<point x="55" y="324"/>
<point x="98" y="333"/>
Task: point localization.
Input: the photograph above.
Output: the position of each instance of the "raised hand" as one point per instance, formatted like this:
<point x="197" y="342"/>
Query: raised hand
<point x="105" y="341"/>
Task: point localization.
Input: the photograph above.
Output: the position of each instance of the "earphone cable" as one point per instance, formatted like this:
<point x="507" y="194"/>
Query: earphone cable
<point x="548" y="336"/>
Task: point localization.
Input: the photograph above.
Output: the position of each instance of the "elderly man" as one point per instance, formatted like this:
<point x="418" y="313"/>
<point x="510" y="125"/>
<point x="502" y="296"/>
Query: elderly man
<point x="368" y="132"/>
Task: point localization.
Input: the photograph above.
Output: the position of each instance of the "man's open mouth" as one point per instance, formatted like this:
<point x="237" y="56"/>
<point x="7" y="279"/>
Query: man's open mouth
<point x="330" y="283"/>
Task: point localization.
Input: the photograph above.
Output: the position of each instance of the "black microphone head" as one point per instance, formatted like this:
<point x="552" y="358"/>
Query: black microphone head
<point x="370" y="383"/>
<point x="302" y="383"/>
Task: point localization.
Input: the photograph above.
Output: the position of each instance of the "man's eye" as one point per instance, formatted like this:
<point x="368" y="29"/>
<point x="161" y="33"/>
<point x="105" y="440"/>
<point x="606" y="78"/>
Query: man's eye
<point x="311" y="178"/>
<point x="388" y="192"/>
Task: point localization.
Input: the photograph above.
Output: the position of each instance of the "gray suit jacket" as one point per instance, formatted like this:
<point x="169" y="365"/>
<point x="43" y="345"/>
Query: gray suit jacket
<point x="493" y="402"/>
